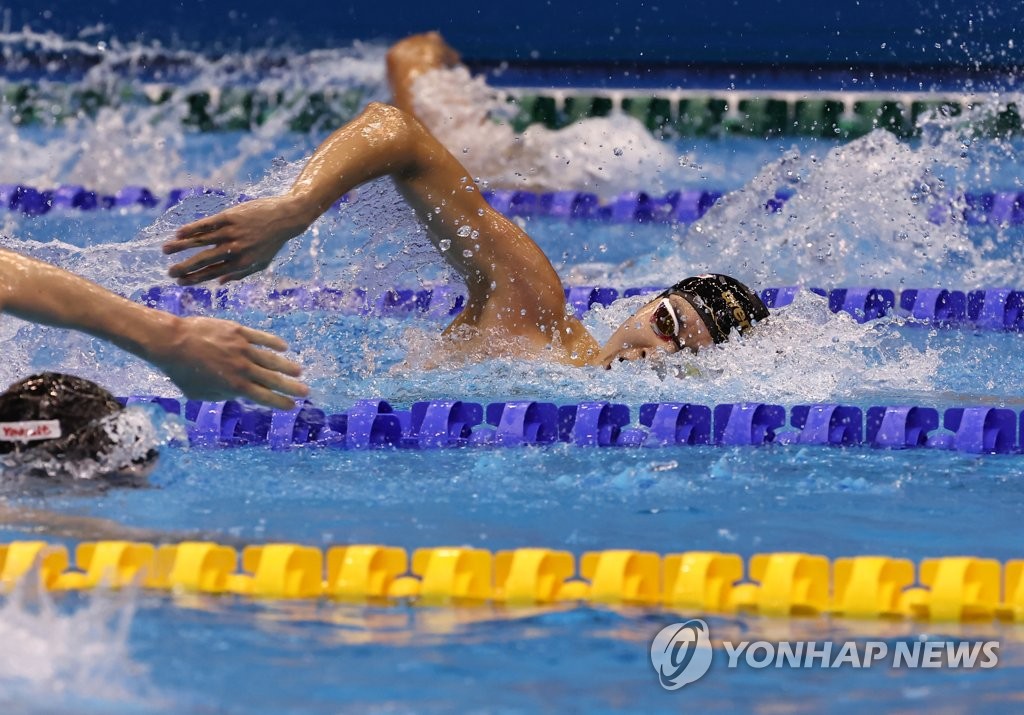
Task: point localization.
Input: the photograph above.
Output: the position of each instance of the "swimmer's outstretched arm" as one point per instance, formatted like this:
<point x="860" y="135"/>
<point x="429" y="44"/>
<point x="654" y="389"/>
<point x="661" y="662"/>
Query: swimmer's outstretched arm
<point x="512" y="285"/>
<point x="207" y="359"/>
<point x="409" y="58"/>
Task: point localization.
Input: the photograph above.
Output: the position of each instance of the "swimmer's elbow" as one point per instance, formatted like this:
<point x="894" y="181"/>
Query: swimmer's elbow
<point x="409" y="143"/>
<point x="396" y="122"/>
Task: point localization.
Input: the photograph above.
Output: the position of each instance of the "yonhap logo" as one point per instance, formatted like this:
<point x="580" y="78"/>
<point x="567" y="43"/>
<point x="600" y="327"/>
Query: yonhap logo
<point x="681" y="653"/>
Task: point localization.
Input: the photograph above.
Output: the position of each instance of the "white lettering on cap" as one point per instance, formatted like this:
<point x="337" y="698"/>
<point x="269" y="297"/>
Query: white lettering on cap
<point x="29" y="430"/>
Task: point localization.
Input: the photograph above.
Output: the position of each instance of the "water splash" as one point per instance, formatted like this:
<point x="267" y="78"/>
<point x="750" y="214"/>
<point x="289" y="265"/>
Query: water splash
<point x="109" y="114"/>
<point x="874" y="211"/>
<point x="803" y="353"/>
<point x="54" y="660"/>
<point x="859" y="213"/>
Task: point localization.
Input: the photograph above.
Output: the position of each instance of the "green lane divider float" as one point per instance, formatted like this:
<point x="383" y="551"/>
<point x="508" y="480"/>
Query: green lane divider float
<point x="671" y="113"/>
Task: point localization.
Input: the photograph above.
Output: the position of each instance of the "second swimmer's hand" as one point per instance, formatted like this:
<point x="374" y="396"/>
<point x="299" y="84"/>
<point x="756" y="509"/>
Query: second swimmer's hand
<point x="212" y="359"/>
<point x="241" y="240"/>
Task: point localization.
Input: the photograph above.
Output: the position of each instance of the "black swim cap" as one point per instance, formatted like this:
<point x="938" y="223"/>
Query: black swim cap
<point x="58" y="416"/>
<point x="722" y="302"/>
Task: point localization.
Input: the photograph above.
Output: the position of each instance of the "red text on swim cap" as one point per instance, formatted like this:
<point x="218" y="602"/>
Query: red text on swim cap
<point x="29" y="430"/>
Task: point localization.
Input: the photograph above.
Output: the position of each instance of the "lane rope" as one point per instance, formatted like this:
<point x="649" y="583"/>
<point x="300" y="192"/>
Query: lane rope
<point x="450" y="423"/>
<point x="983" y="309"/>
<point x="955" y="588"/>
<point x="998" y="208"/>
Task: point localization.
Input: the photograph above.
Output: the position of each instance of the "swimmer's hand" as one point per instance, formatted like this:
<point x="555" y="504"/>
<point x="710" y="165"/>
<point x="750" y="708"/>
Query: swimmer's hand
<point x="242" y="240"/>
<point x="211" y="359"/>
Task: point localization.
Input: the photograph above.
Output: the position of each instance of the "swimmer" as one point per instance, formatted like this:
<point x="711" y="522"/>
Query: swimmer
<point x="207" y="358"/>
<point x="515" y="297"/>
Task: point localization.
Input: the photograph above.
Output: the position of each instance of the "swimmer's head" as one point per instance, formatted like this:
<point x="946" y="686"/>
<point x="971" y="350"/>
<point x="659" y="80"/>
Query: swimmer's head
<point x="694" y="313"/>
<point x="53" y="418"/>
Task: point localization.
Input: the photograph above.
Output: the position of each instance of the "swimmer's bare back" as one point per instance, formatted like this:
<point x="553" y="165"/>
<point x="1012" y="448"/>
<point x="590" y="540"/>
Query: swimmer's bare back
<point x="90" y="528"/>
<point x="514" y="293"/>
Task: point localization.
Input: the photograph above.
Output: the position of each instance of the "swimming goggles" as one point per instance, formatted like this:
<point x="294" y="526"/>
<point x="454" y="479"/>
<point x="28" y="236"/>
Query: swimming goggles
<point x="665" y="322"/>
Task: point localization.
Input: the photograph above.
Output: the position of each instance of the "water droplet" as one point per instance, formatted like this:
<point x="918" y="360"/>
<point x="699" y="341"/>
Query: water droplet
<point x="467" y="253"/>
<point x="444" y="244"/>
<point x="464" y="231"/>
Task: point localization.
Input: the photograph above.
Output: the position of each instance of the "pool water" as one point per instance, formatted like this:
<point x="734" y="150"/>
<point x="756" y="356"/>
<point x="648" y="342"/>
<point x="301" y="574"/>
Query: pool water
<point x="853" y="221"/>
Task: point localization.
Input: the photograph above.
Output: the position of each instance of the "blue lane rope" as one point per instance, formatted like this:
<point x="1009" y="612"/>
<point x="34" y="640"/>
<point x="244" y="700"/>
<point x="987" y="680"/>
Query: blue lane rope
<point x="449" y="423"/>
<point x="683" y="206"/>
<point x="986" y="309"/>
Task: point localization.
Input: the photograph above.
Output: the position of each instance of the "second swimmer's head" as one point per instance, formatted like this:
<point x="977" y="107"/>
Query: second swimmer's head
<point x="694" y="313"/>
<point x="54" y="425"/>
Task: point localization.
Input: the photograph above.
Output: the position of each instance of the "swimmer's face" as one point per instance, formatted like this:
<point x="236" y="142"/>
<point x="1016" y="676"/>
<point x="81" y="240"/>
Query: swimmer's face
<point x="666" y="324"/>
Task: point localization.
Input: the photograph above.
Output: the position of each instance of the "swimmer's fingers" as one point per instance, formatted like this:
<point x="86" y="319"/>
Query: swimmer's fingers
<point x="197" y="232"/>
<point x="177" y="245"/>
<point x="217" y="270"/>
<point x="267" y="340"/>
<point x="194" y="265"/>
<point x="273" y="361"/>
<point x="260" y="394"/>
<point x="277" y="382"/>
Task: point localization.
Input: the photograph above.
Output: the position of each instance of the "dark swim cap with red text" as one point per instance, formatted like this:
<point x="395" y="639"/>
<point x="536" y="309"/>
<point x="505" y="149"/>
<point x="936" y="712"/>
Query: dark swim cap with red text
<point x="54" y="425"/>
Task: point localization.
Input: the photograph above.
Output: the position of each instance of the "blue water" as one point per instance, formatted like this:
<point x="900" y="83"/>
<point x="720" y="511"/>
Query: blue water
<point x="226" y="655"/>
<point x="323" y="657"/>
